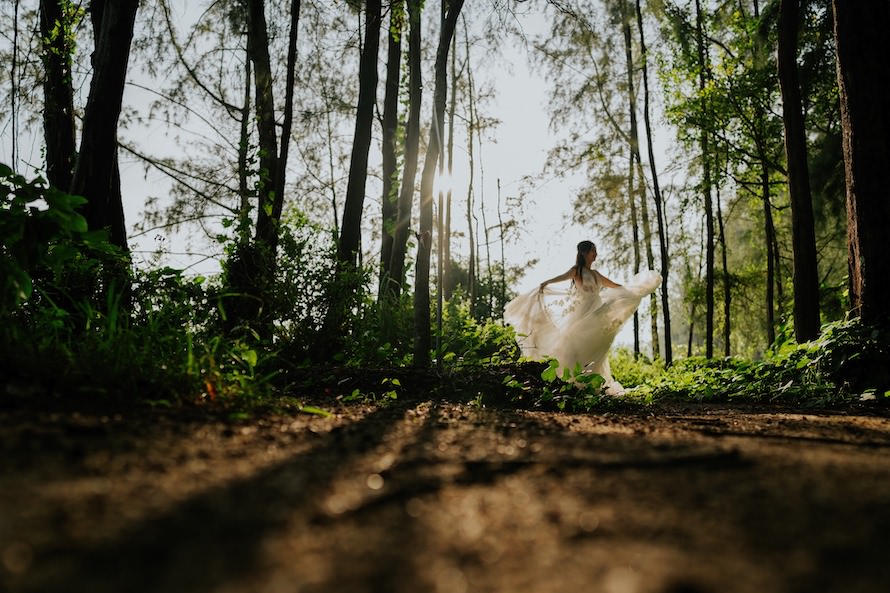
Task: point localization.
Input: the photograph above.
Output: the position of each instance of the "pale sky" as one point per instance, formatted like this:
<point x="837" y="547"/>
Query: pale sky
<point x="518" y="150"/>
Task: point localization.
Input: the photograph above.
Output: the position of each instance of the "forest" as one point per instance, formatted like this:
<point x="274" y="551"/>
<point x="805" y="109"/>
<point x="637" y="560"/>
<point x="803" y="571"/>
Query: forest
<point x="310" y="153"/>
<point x="256" y="256"/>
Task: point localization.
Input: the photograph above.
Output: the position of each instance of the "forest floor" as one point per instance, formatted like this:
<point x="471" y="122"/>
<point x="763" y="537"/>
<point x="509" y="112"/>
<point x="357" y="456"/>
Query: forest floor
<point x="424" y="494"/>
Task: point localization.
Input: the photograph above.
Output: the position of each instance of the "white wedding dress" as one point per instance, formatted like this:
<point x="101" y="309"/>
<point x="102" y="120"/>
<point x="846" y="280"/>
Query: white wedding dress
<point x="577" y="326"/>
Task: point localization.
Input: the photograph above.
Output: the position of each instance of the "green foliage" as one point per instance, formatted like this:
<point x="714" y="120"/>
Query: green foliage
<point x="160" y="335"/>
<point x="43" y="237"/>
<point x="847" y="360"/>
<point x="634" y="370"/>
<point x="469" y="340"/>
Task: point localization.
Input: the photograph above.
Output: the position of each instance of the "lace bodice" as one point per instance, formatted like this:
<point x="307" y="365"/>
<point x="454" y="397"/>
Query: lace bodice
<point x="591" y="281"/>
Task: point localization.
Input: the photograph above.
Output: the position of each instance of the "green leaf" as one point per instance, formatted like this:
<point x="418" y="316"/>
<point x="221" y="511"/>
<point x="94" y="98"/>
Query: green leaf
<point x="315" y="411"/>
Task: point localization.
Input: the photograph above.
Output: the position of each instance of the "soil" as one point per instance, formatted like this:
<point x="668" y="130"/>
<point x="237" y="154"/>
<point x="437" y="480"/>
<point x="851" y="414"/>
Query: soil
<point x="434" y="494"/>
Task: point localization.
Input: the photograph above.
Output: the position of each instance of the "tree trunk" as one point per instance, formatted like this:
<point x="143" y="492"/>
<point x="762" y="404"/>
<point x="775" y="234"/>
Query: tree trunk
<point x="412" y="141"/>
<point x="656" y="194"/>
<point x="769" y="232"/>
<point x="447" y="281"/>
<point x="635" y="160"/>
<point x="58" y="95"/>
<point x="96" y="176"/>
<point x="727" y="285"/>
<point x="288" y="118"/>
<point x="863" y="78"/>
<point x="422" y="330"/>
<point x="706" y="190"/>
<point x="805" y="279"/>
<point x="635" y="230"/>
<point x="472" y="276"/>
<point x="390" y="196"/>
<point x="266" y="226"/>
<point x="350" y="230"/>
<point x="244" y="191"/>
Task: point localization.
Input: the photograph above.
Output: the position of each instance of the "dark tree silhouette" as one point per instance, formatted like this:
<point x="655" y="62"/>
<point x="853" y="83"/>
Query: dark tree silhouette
<point x="58" y="95"/>
<point x="422" y="330"/>
<point x="863" y="79"/>
<point x="96" y="174"/>
<point x="805" y="278"/>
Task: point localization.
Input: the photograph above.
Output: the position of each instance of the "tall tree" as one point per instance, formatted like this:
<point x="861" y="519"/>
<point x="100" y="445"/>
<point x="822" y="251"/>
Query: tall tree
<point x="863" y="77"/>
<point x="412" y="142"/>
<point x="96" y="174"/>
<point x="58" y="94"/>
<point x="656" y="192"/>
<point x="350" y="230"/>
<point x="422" y="330"/>
<point x="803" y="231"/>
<point x="264" y="98"/>
<point x="636" y="161"/>
<point x="390" y="197"/>
<point x="705" y="139"/>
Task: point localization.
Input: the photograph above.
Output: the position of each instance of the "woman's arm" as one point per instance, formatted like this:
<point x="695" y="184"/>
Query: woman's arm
<point x="606" y="282"/>
<point x="566" y="276"/>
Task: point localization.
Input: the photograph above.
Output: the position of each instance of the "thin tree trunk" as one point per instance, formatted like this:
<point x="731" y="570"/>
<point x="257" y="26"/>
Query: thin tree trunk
<point x="350" y="230"/>
<point x="634" y="155"/>
<point x="635" y="229"/>
<point x="769" y="234"/>
<point x="13" y="85"/>
<point x="656" y="194"/>
<point x="634" y="136"/>
<point x="860" y="31"/>
<point x="390" y="197"/>
<point x="332" y="167"/>
<point x="727" y="292"/>
<point x="244" y="191"/>
<point x="471" y="161"/>
<point x="58" y="95"/>
<point x="422" y="329"/>
<point x="503" y="286"/>
<point x="806" y="275"/>
<point x="447" y="282"/>
<point x="412" y="141"/>
<point x="288" y="118"/>
<point x="704" y="69"/>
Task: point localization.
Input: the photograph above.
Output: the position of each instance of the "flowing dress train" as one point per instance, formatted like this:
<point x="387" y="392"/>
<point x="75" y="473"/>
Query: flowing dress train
<point x="578" y="326"/>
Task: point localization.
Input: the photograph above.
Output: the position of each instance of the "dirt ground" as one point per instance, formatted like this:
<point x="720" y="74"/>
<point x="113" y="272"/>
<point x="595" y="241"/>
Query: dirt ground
<point x="437" y="495"/>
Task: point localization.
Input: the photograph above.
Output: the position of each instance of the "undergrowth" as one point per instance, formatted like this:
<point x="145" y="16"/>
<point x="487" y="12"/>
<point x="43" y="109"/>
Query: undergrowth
<point x="72" y="324"/>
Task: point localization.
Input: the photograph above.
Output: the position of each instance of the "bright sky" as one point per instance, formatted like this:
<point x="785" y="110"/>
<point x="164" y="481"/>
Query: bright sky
<point x="519" y="150"/>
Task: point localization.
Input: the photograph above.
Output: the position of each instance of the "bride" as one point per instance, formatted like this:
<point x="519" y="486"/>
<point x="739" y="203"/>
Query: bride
<point x="577" y="327"/>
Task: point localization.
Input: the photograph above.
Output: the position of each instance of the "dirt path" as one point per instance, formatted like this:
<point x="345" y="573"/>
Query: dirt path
<point x="440" y="496"/>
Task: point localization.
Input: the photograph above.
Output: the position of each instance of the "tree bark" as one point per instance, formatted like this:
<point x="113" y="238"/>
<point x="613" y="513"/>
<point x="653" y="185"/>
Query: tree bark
<point x="805" y="278"/>
<point x="412" y="141"/>
<point x="390" y="197"/>
<point x="96" y="176"/>
<point x="656" y="194"/>
<point x="288" y="118"/>
<point x="422" y="329"/>
<point x="635" y="161"/>
<point x="350" y="229"/>
<point x="727" y="285"/>
<point x="264" y="99"/>
<point x="769" y="232"/>
<point x="863" y="79"/>
<point x="472" y="266"/>
<point x="706" y="190"/>
<point x="58" y="95"/>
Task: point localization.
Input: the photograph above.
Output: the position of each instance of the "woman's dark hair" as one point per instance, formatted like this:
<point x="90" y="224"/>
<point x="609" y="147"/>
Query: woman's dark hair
<point x="584" y="248"/>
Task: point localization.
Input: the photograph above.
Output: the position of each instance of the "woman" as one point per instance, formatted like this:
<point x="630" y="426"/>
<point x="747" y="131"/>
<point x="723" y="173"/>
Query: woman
<point x="578" y="330"/>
